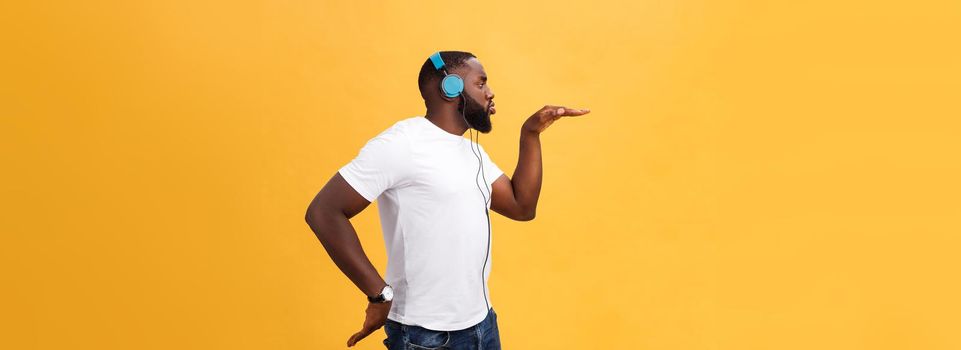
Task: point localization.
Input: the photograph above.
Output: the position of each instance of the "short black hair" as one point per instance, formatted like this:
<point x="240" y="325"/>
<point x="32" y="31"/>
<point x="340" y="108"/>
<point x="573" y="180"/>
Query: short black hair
<point x="452" y="60"/>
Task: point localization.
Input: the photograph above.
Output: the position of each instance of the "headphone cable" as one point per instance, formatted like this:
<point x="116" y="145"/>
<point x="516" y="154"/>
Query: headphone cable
<point x="480" y="171"/>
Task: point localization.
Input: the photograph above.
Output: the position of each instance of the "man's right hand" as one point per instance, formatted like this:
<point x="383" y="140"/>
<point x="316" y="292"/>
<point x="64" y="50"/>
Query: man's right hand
<point x="376" y="318"/>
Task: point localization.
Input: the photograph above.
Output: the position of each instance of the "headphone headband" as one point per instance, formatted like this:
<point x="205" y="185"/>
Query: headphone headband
<point x="437" y="60"/>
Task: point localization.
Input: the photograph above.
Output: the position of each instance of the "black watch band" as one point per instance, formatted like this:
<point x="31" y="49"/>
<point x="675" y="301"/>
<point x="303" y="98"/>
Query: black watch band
<point x="380" y="298"/>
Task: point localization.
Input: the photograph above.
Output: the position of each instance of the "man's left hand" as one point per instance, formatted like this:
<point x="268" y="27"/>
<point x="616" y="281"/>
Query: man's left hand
<point x="546" y="116"/>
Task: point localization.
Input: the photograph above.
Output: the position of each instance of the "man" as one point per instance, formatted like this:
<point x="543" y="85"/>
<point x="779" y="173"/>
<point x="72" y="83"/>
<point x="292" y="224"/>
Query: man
<point x="434" y="189"/>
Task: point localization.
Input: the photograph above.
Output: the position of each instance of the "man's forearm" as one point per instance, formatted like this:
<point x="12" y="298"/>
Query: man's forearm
<point x="528" y="174"/>
<point x="336" y="233"/>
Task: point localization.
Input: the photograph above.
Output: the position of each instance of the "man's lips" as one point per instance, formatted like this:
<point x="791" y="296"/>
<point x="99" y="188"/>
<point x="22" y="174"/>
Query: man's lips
<point x="493" y="110"/>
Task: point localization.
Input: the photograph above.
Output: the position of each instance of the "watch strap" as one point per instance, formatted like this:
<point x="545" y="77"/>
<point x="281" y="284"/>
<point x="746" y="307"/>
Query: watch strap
<point x="379" y="298"/>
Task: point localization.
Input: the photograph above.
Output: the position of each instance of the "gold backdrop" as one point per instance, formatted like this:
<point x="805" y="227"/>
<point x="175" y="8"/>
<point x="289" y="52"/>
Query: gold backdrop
<point x="753" y="175"/>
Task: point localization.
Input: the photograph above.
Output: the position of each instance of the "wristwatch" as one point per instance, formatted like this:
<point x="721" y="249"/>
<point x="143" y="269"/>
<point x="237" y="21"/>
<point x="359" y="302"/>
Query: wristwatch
<point x="387" y="294"/>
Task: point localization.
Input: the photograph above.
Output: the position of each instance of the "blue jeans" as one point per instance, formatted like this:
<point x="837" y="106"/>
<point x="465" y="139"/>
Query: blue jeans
<point x="482" y="336"/>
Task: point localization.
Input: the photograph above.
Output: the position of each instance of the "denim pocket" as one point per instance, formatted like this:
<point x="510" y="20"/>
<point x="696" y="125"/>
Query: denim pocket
<point x="393" y="331"/>
<point x="419" y="338"/>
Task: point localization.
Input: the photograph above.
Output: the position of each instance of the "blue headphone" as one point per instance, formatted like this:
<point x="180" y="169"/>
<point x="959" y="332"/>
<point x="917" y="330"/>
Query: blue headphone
<point x="452" y="85"/>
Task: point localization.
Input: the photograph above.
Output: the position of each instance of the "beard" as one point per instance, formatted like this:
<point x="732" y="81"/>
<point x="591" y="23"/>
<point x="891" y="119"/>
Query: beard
<point x="477" y="115"/>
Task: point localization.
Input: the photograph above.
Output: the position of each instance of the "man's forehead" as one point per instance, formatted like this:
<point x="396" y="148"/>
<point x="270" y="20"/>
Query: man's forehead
<point x="474" y="69"/>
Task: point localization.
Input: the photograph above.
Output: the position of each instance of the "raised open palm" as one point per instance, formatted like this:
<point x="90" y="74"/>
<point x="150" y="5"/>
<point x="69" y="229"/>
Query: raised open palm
<point x="543" y="118"/>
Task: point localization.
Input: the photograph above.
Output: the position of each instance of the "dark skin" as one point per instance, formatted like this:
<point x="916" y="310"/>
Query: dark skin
<point x="329" y="214"/>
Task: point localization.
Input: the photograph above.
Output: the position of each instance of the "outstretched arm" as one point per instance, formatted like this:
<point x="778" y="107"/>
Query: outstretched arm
<point x="517" y="198"/>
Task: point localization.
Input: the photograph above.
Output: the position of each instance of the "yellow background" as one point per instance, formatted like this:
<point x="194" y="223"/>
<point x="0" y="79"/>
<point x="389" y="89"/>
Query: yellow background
<point x="754" y="175"/>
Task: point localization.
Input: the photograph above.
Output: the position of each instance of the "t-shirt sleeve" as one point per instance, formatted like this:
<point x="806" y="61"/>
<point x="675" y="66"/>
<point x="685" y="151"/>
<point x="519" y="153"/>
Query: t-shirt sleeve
<point x="491" y="170"/>
<point x="382" y="164"/>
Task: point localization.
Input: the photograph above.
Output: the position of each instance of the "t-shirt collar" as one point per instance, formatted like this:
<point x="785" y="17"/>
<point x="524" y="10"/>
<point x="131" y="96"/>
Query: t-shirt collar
<point x="436" y="129"/>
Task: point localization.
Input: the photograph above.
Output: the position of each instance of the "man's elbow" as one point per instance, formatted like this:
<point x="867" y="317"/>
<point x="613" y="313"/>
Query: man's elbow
<point x="527" y="216"/>
<point x="311" y="213"/>
<point x="315" y="213"/>
<point x="319" y="221"/>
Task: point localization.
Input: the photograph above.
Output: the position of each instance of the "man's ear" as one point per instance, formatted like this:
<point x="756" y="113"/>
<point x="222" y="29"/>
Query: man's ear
<point x="459" y="98"/>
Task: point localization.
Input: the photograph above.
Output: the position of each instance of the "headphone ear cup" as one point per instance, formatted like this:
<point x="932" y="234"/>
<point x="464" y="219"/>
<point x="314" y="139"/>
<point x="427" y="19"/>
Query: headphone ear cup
<point x="452" y="85"/>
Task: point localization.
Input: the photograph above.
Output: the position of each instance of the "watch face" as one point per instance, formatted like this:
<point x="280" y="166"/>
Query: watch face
<point x="388" y="293"/>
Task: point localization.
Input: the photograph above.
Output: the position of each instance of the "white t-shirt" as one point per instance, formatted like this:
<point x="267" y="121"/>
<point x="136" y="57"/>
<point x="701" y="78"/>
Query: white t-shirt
<point x="433" y="217"/>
